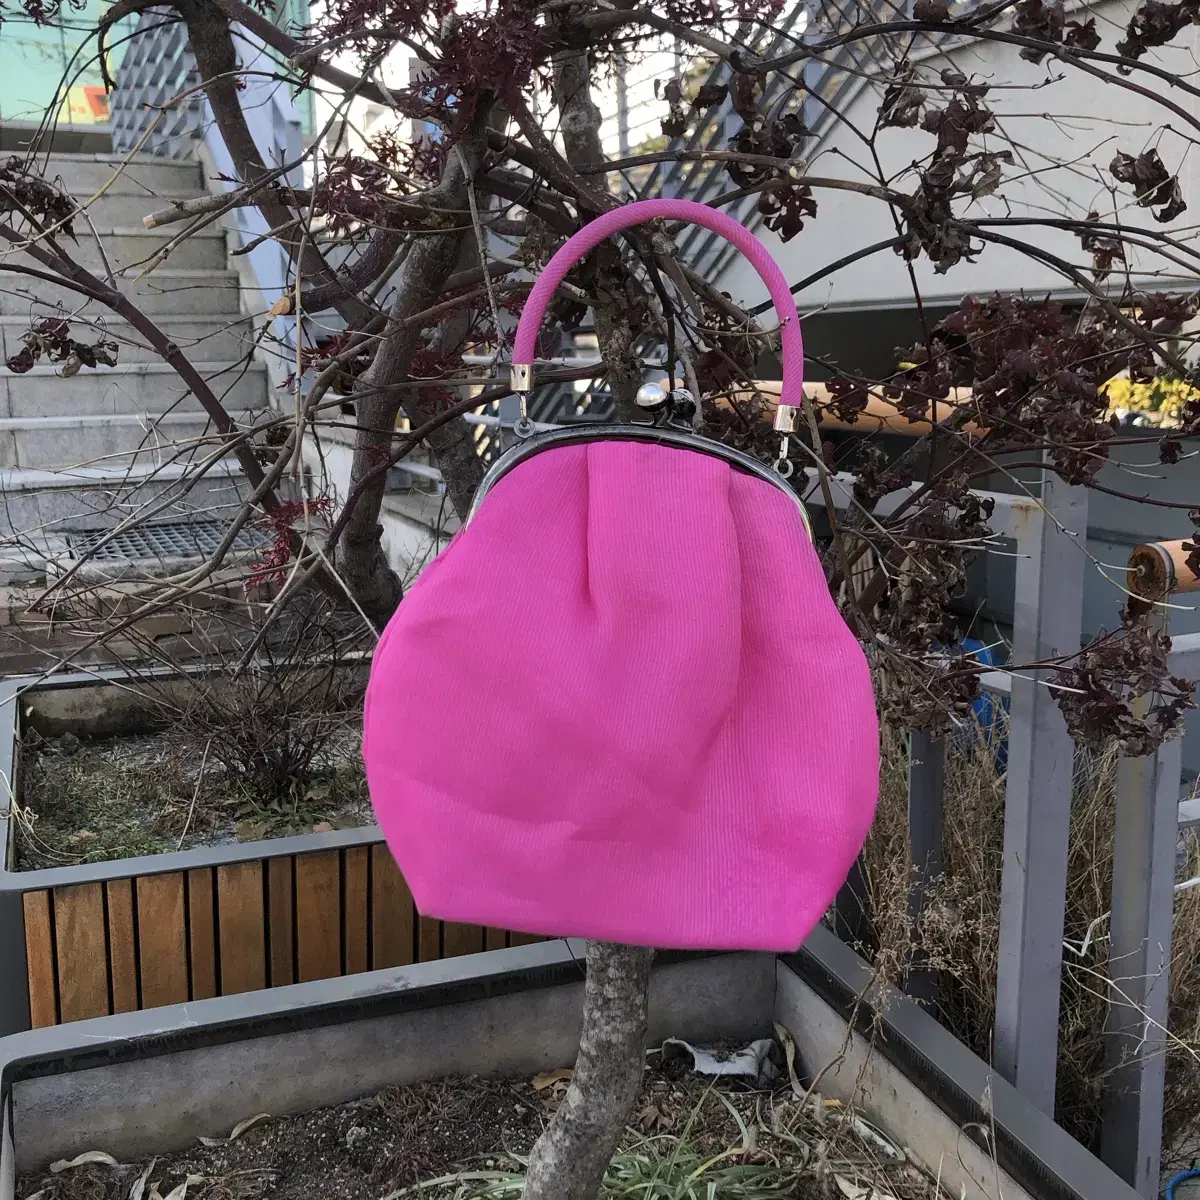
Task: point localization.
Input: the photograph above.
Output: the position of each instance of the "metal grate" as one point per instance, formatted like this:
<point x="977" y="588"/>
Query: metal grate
<point x="170" y="539"/>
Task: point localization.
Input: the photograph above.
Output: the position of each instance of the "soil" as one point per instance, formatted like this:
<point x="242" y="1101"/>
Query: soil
<point x="111" y="798"/>
<point x="466" y="1137"/>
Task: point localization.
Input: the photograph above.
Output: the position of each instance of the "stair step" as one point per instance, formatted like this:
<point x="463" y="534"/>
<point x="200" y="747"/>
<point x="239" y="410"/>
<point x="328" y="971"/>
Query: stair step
<point x="17" y="137"/>
<point x="34" y="502"/>
<point x="211" y="339"/>
<point x="148" y="550"/>
<point x="83" y="175"/>
<point x="124" y="209"/>
<point x="63" y="443"/>
<point x="133" y="247"/>
<point x="108" y="443"/>
<point x="166" y="291"/>
<point x="151" y="387"/>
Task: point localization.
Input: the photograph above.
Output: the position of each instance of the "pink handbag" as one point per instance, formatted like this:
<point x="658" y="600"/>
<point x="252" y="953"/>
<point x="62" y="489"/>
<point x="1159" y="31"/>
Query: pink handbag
<point x="622" y="704"/>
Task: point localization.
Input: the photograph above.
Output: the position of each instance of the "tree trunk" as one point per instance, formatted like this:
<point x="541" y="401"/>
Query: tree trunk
<point x="570" y="1158"/>
<point x="211" y="42"/>
<point x="380" y="393"/>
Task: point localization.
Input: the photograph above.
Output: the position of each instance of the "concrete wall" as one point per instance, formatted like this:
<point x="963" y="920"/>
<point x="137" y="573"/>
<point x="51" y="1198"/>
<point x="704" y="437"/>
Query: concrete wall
<point x="148" y="1083"/>
<point x="161" y="1102"/>
<point x="859" y="1076"/>
<point x="416" y="525"/>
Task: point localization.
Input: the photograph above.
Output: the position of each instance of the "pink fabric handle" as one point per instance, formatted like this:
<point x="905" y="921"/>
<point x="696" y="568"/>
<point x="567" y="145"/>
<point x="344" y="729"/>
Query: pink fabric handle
<point x="594" y="232"/>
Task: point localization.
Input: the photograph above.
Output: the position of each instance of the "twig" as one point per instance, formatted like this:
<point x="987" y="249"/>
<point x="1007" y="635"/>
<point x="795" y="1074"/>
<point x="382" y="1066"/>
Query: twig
<point x="481" y="241"/>
<point x="195" y="795"/>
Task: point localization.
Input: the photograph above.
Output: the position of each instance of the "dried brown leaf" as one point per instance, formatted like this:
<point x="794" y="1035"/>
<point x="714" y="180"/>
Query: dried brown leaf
<point x="83" y="1160"/>
<point x="549" y="1078"/>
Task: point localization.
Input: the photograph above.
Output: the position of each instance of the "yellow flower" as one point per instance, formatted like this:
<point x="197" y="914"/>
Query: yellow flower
<point x="1164" y="398"/>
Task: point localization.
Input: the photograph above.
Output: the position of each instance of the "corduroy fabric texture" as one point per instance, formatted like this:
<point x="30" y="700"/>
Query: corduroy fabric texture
<point x="622" y="705"/>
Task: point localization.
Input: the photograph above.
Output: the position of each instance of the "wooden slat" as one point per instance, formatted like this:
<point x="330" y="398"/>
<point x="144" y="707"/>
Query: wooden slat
<point x="391" y="913"/>
<point x="281" y="921"/>
<point x="318" y="915"/>
<point x="524" y="939"/>
<point x="122" y="945"/>
<point x="354" y="908"/>
<point x="82" y="953"/>
<point x="39" y="955"/>
<point x="461" y="939"/>
<point x="429" y="940"/>
<point x="162" y="939"/>
<point x="494" y="939"/>
<point x="241" y="929"/>
<point x="202" y="933"/>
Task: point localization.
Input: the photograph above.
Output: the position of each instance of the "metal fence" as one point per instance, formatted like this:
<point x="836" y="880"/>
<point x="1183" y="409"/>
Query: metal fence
<point x="1048" y="531"/>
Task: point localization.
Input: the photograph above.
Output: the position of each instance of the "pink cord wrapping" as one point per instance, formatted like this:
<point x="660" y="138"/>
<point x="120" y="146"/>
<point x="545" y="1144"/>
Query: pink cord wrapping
<point x="593" y="233"/>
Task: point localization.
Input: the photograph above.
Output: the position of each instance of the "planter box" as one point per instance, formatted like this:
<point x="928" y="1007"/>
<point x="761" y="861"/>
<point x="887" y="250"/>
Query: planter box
<point x="148" y="1083"/>
<point x="87" y="941"/>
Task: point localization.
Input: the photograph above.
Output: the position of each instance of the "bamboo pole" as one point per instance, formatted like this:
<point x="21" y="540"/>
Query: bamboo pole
<point x="1160" y="569"/>
<point x="881" y="415"/>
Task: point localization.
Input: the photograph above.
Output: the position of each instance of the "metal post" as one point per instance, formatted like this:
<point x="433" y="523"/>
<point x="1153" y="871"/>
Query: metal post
<point x="1139" y="964"/>
<point x="1139" y="960"/>
<point x="926" y="786"/>
<point x="1037" y="812"/>
<point x="620" y="68"/>
<point x="850" y="906"/>
<point x="510" y="413"/>
<point x="672" y="171"/>
<point x="14" y="979"/>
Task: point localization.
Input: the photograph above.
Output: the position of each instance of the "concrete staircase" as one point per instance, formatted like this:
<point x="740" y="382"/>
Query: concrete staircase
<point x="84" y="453"/>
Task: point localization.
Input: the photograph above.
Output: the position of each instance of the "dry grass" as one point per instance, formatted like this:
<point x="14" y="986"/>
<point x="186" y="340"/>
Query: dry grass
<point x="960" y="929"/>
<point x="274" y="699"/>
<point x="731" y="1145"/>
<point x="112" y="798"/>
<point x="265" y="742"/>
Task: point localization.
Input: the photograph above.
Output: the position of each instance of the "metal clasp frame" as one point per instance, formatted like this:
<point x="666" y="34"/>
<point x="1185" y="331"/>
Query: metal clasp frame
<point x="785" y="426"/>
<point x="515" y="424"/>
